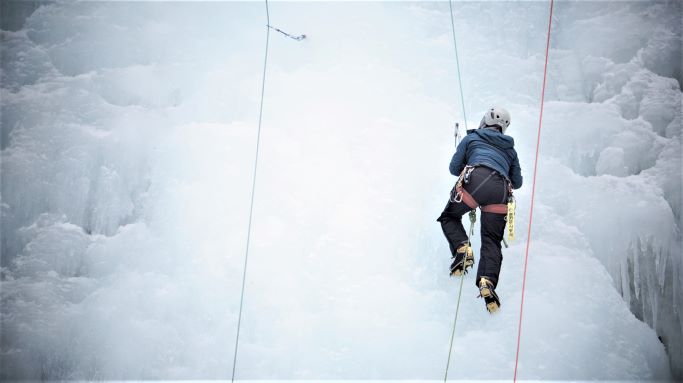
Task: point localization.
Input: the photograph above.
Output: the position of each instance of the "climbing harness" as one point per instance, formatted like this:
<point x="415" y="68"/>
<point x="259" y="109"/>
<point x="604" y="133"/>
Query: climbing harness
<point x="459" y="194"/>
<point x="253" y="183"/>
<point x="473" y="219"/>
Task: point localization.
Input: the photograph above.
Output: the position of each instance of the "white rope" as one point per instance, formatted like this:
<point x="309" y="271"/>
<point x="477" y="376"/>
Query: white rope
<point x="253" y="189"/>
<point x="253" y="183"/>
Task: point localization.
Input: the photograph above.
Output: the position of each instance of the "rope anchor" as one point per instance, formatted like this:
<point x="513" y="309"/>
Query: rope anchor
<point x="297" y="38"/>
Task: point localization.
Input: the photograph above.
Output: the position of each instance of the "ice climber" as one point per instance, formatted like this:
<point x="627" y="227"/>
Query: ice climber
<point x="488" y="169"/>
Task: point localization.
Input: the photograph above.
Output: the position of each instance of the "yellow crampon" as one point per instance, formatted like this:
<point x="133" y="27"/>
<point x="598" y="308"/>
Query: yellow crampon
<point x="510" y="218"/>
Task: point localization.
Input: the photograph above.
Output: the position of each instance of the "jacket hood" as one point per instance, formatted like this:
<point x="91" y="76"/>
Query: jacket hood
<point x="495" y="138"/>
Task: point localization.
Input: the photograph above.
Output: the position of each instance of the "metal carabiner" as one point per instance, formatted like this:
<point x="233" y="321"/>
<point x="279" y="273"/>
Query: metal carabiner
<point x="456" y="196"/>
<point x="466" y="173"/>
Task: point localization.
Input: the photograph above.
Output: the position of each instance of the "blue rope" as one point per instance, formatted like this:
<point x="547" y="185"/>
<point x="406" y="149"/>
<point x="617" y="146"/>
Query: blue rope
<point x="253" y="189"/>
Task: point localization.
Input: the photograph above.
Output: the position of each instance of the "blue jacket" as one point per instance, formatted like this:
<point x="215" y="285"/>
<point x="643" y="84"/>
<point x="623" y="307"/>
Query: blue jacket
<point x="490" y="148"/>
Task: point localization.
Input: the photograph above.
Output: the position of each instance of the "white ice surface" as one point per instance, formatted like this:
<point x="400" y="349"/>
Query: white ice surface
<point x="128" y="136"/>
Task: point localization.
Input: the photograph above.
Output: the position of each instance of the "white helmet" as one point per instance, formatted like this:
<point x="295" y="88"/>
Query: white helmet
<point x="496" y="116"/>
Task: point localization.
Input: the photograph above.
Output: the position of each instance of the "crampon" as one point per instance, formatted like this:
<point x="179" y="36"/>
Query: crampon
<point x="486" y="291"/>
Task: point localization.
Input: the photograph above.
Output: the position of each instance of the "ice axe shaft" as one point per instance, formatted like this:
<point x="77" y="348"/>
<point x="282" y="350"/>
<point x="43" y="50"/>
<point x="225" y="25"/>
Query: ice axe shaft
<point x="456" y="134"/>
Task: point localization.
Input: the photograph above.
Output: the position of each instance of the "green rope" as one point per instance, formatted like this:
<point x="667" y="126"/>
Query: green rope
<point x="473" y="214"/>
<point x="457" y="62"/>
<point x="473" y="219"/>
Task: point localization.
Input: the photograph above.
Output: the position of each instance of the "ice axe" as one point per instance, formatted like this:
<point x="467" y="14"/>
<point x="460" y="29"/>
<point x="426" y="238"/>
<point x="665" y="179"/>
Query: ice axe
<point x="456" y="134"/>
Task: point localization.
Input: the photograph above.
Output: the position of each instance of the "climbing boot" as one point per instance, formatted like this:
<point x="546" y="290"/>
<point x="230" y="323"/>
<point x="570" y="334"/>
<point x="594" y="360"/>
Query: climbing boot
<point x="463" y="260"/>
<point x="487" y="291"/>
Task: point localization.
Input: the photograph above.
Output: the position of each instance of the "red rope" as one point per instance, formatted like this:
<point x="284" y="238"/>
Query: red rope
<point x="533" y="189"/>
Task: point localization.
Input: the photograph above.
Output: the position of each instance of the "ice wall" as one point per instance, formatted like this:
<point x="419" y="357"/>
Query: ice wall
<point x="614" y="133"/>
<point x="128" y="134"/>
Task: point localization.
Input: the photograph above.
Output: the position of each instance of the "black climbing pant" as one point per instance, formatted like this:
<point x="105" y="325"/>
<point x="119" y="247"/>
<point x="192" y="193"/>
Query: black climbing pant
<point x="486" y="187"/>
